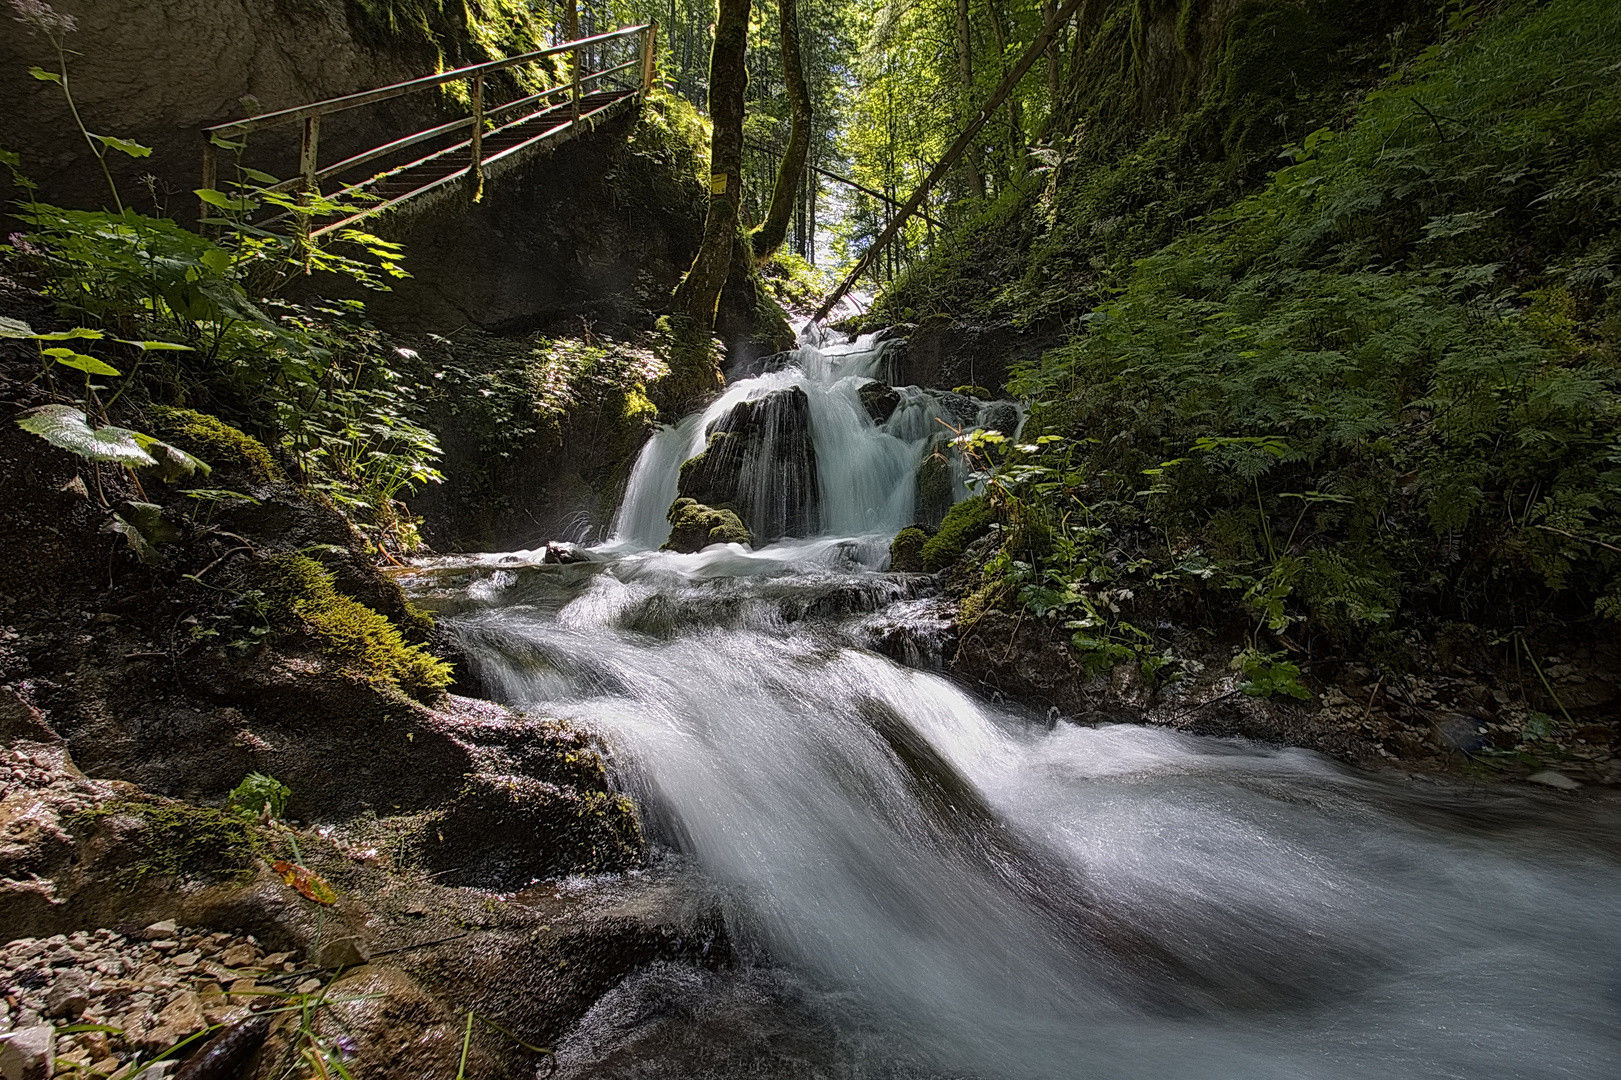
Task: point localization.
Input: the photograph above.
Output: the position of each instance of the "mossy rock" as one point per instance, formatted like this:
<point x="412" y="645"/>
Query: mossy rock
<point x="216" y="442"/>
<point x="302" y="598"/>
<point x="906" y="550"/>
<point x="934" y="489"/>
<point x="178" y="840"/>
<point x="695" y="526"/>
<point x="966" y="522"/>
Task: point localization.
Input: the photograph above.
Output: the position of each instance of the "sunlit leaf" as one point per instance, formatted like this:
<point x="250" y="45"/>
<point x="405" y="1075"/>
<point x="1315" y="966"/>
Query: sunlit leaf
<point x="68" y="428"/>
<point x="71" y="335"/>
<point x="308" y="883"/>
<point x="14" y="328"/>
<point x="128" y="146"/>
<point x="158" y="346"/>
<point x="44" y="76"/>
<point x="225" y="202"/>
<point x="171" y="462"/>
<point x="80" y="362"/>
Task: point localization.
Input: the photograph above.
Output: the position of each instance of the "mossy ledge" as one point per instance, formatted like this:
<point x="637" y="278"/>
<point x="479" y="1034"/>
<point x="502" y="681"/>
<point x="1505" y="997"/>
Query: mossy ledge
<point x="216" y="442"/>
<point x="303" y="599"/>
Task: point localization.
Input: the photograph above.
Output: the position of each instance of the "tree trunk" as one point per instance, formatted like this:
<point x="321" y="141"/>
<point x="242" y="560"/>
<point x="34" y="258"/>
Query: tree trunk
<point x="791" y="173"/>
<point x="695" y="298"/>
<point x="965" y="72"/>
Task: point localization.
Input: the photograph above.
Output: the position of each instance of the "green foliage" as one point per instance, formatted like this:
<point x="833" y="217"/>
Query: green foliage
<point x="258" y="796"/>
<point x="1268" y="675"/>
<point x="186" y="842"/>
<point x="965" y="522"/>
<point x="301" y="598"/>
<point x="1385" y="383"/>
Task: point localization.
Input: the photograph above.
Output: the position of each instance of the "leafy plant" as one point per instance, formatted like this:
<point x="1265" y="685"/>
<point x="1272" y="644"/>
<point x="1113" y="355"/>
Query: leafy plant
<point x="259" y="796"/>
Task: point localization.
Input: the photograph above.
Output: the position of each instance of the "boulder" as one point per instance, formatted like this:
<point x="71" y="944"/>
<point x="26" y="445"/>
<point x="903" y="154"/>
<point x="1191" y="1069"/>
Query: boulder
<point x="695" y="526"/>
<point x="879" y="400"/>
<point x="760" y="464"/>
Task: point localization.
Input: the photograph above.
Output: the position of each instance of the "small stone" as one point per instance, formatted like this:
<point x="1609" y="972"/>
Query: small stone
<point x="342" y="953"/>
<point x="244" y="989"/>
<point x="1554" y="780"/>
<point x="160" y="931"/>
<point x="308" y="986"/>
<point x="275" y="960"/>
<point x="186" y="959"/>
<point x="239" y="956"/>
<point x="68" y="997"/>
<point x="166" y="945"/>
<point x="29" y="1053"/>
<point x="184" y="1014"/>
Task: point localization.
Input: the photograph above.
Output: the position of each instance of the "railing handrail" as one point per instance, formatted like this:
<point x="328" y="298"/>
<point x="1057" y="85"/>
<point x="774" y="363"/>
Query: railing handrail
<point x="383" y="93"/>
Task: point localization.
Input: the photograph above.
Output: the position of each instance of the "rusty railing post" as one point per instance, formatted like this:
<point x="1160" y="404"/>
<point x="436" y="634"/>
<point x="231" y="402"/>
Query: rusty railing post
<point x="476" y="169"/>
<point x="650" y="39"/>
<point x="574" y="94"/>
<point x="307" y="167"/>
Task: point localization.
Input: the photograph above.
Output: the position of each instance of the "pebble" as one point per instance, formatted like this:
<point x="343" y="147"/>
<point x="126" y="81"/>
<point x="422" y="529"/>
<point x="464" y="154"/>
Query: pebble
<point x="145" y="986"/>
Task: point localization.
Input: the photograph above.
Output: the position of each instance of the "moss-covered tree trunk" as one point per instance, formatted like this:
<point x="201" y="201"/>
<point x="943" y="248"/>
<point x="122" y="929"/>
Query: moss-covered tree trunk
<point x="695" y="298"/>
<point x="769" y="237"/>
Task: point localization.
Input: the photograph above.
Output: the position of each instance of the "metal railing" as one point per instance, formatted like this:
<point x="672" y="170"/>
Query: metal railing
<point x="547" y="104"/>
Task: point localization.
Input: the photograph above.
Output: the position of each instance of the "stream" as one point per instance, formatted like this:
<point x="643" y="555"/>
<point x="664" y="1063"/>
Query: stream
<point x="926" y="884"/>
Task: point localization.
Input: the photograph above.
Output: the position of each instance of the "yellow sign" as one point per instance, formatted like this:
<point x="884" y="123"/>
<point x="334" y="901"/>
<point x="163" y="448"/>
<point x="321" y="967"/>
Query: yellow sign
<point x="717" y="183"/>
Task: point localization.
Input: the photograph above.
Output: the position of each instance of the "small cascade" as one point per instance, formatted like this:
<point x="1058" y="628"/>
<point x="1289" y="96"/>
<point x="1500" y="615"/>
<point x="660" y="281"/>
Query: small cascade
<point x="819" y="446"/>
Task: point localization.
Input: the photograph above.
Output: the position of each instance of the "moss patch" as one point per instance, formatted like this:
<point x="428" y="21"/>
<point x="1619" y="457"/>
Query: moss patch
<point x="906" y="550"/>
<point x="966" y="522"/>
<point x="216" y="442"/>
<point x="695" y="526"/>
<point x="302" y="597"/>
<point x="187" y="842"/>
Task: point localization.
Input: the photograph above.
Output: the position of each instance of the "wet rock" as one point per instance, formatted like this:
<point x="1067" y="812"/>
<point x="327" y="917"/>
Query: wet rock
<point x="29" y="1053"/>
<point x="936" y="490"/>
<point x="760" y="463"/>
<point x="879" y="400"/>
<point x="906" y="550"/>
<point x="695" y="526"/>
<point x="503" y="832"/>
<point x="1550" y="778"/>
<point x="1000" y="416"/>
<point x="1459" y="732"/>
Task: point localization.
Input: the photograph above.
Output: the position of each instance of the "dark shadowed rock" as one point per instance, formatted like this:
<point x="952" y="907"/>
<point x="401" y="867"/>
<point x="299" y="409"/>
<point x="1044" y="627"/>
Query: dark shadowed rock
<point x="879" y="400"/>
<point x="760" y="463"/>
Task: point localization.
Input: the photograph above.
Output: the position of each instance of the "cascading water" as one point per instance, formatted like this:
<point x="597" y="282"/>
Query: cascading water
<point x="935" y="887"/>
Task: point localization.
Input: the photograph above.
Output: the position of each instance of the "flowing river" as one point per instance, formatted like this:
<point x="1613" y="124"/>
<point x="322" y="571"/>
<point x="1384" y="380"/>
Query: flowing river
<point x="924" y="884"/>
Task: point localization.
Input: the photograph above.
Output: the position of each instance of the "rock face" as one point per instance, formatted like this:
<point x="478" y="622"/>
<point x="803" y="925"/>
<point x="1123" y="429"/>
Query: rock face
<point x="157" y="71"/>
<point x="760" y="463"/>
<point x="694" y="526"/>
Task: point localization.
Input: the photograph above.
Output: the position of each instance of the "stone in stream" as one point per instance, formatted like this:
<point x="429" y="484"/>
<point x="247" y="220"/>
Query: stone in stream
<point x="694" y="526"/>
<point x="760" y="465"/>
<point x="879" y="400"/>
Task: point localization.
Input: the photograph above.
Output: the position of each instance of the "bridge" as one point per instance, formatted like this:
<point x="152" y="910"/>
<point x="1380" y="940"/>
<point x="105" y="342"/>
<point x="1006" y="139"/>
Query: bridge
<point x="447" y="157"/>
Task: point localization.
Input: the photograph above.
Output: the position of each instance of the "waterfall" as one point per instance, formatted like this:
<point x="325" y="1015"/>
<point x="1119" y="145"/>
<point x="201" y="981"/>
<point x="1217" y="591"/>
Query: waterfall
<point x="866" y="469"/>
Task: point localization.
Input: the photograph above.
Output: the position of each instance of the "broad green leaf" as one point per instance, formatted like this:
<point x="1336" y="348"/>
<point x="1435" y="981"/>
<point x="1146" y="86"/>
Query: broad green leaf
<point x="218" y="198"/>
<point x="71" y="335"/>
<point x="138" y="543"/>
<point x="80" y="362"/>
<point x="172" y="462"/>
<point x="148" y="517"/>
<point x="157" y="346"/>
<point x="15" y="328"/>
<point x="44" y="76"/>
<point x="66" y="427"/>
<point x="261" y="177"/>
<point x="216" y="260"/>
<point x="128" y="146"/>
